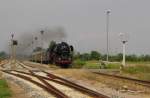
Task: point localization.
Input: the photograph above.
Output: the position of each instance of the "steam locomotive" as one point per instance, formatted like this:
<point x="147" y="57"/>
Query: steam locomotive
<point x="58" y="53"/>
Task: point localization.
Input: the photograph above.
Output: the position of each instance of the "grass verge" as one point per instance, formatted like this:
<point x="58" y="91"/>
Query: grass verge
<point x="140" y="71"/>
<point x="94" y="64"/>
<point x="137" y="69"/>
<point x="97" y="65"/>
<point x="5" y="92"/>
<point x="78" y="63"/>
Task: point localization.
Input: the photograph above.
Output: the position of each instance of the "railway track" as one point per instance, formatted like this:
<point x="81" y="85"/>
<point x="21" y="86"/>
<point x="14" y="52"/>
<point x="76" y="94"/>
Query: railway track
<point x="44" y="84"/>
<point x="3" y="63"/>
<point x="49" y="88"/>
<point x="137" y="81"/>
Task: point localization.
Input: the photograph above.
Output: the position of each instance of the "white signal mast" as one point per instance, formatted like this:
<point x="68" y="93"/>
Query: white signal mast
<point x="124" y="41"/>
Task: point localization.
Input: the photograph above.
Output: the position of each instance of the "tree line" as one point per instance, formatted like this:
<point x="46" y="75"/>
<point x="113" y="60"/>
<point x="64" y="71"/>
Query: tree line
<point x="95" y="55"/>
<point x="3" y="55"/>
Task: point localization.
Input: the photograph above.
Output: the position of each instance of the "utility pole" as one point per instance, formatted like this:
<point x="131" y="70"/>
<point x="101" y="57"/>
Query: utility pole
<point x="36" y="38"/>
<point x="107" y="30"/>
<point x="42" y="33"/>
<point x="12" y="36"/>
<point x="32" y="50"/>
<point x="14" y="43"/>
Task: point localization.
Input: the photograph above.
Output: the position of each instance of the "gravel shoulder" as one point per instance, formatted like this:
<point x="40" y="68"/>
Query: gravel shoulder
<point x="17" y="91"/>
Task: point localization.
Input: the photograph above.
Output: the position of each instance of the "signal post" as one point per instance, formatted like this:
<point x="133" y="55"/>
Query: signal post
<point x="14" y="43"/>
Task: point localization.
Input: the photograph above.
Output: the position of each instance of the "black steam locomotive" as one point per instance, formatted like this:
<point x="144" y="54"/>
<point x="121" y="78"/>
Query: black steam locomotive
<point x="58" y="53"/>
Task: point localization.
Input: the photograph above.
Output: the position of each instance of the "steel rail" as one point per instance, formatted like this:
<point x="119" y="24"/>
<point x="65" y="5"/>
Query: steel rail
<point x="2" y="64"/>
<point x="77" y="86"/>
<point x="49" y="89"/>
<point x="138" y="81"/>
<point x="141" y="82"/>
<point x="70" y="84"/>
<point x="48" y="85"/>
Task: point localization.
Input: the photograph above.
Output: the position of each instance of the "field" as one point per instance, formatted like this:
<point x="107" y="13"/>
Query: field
<point x="93" y="64"/>
<point x="4" y="89"/>
<point x="140" y="70"/>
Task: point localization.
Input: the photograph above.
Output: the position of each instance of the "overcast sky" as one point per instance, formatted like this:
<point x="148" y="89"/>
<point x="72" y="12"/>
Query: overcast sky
<point x="84" y="22"/>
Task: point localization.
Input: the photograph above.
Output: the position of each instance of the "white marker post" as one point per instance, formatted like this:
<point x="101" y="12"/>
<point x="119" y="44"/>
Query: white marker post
<point x="124" y="53"/>
<point x="124" y="41"/>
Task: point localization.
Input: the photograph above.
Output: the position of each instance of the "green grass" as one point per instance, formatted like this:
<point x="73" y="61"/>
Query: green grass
<point x="137" y="69"/>
<point x="93" y="64"/>
<point x="140" y="71"/>
<point x="4" y="89"/>
<point x="139" y="62"/>
<point x="97" y="65"/>
<point x="144" y="76"/>
<point x="113" y="66"/>
<point x="78" y="63"/>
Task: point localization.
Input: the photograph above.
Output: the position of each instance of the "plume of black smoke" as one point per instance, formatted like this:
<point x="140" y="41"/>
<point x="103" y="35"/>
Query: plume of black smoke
<point x="57" y="34"/>
<point x="27" y="40"/>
